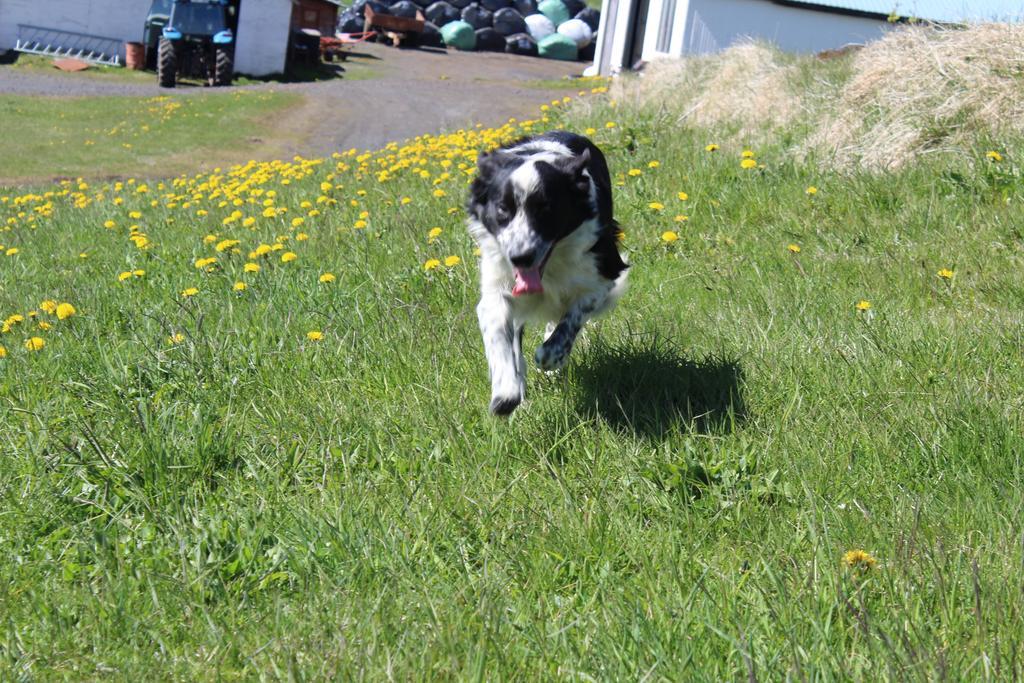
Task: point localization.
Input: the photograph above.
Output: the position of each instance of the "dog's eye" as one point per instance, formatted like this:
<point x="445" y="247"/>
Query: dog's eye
<point x="503" y="214"/>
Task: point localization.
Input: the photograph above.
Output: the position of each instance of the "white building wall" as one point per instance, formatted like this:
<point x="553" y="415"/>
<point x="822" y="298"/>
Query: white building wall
<point x="714" y="25"/>
<point x="706" y="26"/>
<point x="119" y="19"/>
<point x="263" y="27"/>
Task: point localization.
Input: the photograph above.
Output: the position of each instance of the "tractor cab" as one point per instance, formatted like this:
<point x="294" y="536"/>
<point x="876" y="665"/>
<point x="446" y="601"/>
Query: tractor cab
<point x="194" y="39"/>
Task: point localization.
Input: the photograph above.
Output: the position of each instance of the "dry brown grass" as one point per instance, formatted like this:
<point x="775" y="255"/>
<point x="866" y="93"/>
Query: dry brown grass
<point x="744" y="89"/>
<point x="919" y="90"/>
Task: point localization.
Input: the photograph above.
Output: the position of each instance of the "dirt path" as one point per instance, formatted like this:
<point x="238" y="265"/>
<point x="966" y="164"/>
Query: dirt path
<point x="411" y="92"/>
<point x="387" y="94"/>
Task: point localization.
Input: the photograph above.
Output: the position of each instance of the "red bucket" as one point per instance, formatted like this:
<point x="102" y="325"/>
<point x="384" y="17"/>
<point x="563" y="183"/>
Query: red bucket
<point x="135" y="56"/>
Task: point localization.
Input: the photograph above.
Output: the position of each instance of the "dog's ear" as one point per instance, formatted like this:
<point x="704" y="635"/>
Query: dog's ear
<point x="575" y="167"/>
<point x="488" y="163"/>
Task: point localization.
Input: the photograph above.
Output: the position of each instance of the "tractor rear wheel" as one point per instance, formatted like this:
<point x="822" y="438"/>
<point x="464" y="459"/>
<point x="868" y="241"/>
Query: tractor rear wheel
<point x="224" y="66"/>
<point x="166" y="64"/>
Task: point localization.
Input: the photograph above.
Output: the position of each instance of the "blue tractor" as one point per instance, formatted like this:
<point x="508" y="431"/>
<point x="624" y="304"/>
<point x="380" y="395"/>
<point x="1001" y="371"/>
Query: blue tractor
<point x="194" y="39"/>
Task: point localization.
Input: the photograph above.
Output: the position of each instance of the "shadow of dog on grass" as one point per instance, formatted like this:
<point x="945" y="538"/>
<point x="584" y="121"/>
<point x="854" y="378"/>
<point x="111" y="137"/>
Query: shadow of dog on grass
<point x="647" y="387"/>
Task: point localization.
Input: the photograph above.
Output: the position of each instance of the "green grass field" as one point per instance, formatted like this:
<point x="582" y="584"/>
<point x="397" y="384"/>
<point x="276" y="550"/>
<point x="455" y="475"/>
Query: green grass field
<point x="299" y="479"/>
<point x="48" y="137"/>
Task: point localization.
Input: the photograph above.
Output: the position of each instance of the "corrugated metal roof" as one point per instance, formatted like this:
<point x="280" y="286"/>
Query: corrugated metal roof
<point x="935" y="10"/>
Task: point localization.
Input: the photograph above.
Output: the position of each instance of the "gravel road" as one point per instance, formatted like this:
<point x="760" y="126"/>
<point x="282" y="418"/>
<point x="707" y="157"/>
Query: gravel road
<point x="396" y="94"/>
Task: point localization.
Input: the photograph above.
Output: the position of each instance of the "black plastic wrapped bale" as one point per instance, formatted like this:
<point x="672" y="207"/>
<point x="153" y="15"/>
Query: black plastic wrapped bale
<point x="575" y="6"/>
<point x="431" y="36"/>
<point x="508" y="22"/>
<point x="350" y="22"/>
<point x="441" y="13"/>
<point x="379" y="7"/>
<point x="461" y="4"/>
<point x="591" y="17"/>
<point x="587" y="53"/>
<point x="521" y="44"/>
<point x="404" y="8"/>
<point x="495" y="5"/>
<point x="423" y="4"/>
<point x="525" y="7"/>
<point x="477" y="17"/>
<point x="489" y="40"/>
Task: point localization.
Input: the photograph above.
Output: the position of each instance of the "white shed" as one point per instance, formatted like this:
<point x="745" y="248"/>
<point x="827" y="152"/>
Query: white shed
<point x="263" y="27"/>
<point x="642" y="30"/>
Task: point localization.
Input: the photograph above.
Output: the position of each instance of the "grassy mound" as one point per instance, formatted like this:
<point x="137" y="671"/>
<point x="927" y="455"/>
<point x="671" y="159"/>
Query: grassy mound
<point x="920" y="90"/>
<point x="245" y="431"/>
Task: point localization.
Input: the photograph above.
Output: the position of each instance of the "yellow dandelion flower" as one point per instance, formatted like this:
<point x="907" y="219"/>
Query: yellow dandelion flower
<point x="794" y="248"/>
<point x="406" y="200"/>
<point x="239" y="286"/>
<point x="711" y="148"/>
<point x="43" y="325"/>
<point x="439" y="192"/>
<point x="653" y="164"/>
<point x="327" y="278"/>
<point x="434" y="233"/>
<point x="3" y="352"/>
<point x="83" y="255"/>
<point x="748" y="163"/>
<point x="298" y="221"/>
<point x="176" y="338"/>
<point x="668" y="237"/>
<point x="251" y="268"/>
<point x="682" y="196"/>
<point x="35" y="343"/>
<point x="124" y="276"/>
<point x="590" y="131"/>
<point x="138" y="272"/>
<point x="863" y="305"/>
<point x="191" y="291"/>
<point x="812" y="190"/>
<point x="431" y="264"/>
<point x="656" y="206"/>
<point x="946" y="274"/>
<point x="680" y="218"/>
<point x="288" y="257"/>
<point x="859" y="559"/>
<point x="452" y="261"/>
<point x="610" y="124"/>
<point x="634" y="172"/>
<point x="993" y="155"/>
<point x="65" y="311"/>
<point x="747" y="154"/>
<point x="12" y="251"/>
<point x="359" y="225"/>
<point x="50" y="306"/>
<point x="109" y="224"/>
<point x="314" y="335"/>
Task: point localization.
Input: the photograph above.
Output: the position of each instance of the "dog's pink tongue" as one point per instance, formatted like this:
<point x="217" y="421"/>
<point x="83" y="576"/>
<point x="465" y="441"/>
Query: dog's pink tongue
<point x="527" y="282"/>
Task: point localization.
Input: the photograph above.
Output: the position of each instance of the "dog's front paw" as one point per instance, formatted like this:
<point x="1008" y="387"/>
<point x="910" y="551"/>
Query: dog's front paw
<point x="552" y="356"/>
<point x="503" y="406"/>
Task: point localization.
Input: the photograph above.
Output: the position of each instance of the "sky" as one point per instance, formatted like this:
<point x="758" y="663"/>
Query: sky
<point x="937" y="10"/>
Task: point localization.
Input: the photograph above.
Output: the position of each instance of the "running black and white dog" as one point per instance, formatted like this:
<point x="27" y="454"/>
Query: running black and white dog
<point x="541" y="211"/>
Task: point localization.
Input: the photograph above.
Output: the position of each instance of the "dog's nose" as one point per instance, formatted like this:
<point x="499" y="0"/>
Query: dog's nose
<point x="524" y="259"/>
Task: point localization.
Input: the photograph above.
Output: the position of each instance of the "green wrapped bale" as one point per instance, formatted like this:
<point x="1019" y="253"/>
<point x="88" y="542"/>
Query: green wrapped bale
<point x="555" y="10"/>
<point x="460" y="35"/>
<point x="557" y="46"/>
